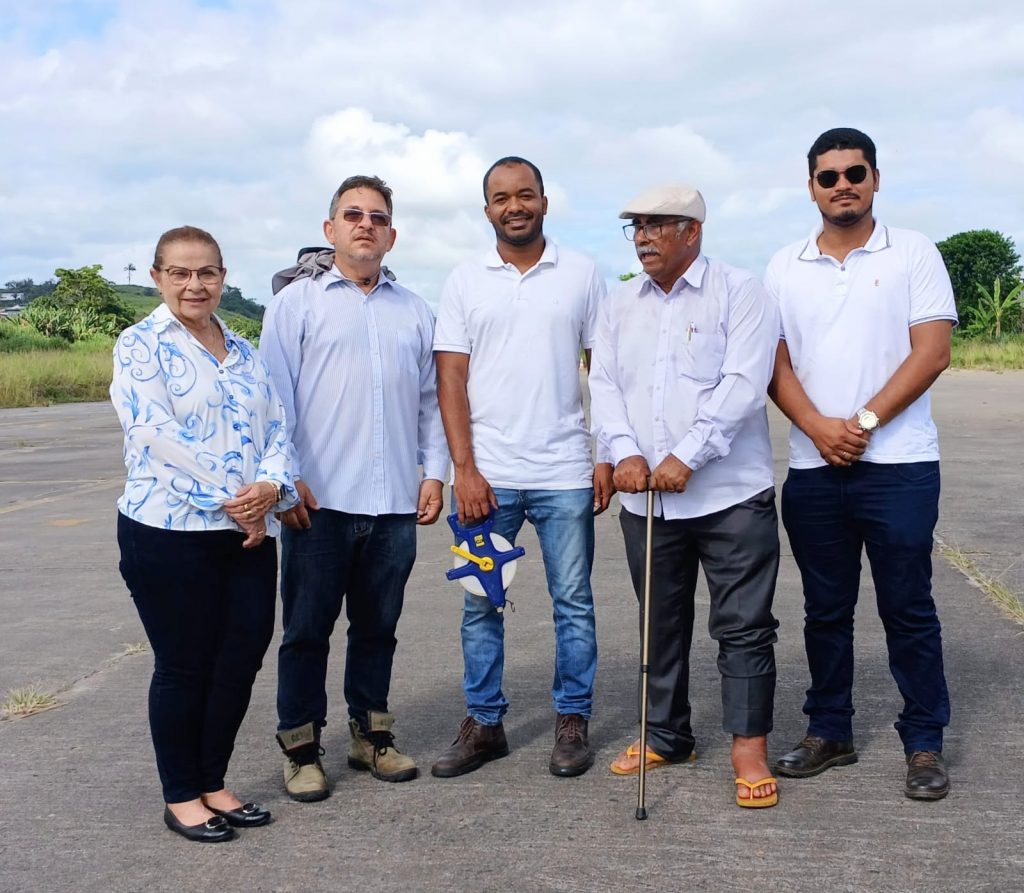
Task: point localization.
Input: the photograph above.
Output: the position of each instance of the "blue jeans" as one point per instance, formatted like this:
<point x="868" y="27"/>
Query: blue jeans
<point x="890" y="511"/>
<point x="207" y="606"/>
<point x="564" y="521"/>
<point x="364" y="561"/>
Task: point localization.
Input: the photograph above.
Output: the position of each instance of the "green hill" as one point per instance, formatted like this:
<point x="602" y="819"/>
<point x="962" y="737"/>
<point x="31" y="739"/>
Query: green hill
<point x="143" y="299"/>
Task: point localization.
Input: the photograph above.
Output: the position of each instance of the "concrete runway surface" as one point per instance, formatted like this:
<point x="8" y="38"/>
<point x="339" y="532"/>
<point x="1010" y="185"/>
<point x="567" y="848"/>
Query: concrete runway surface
<point x="80" y="805"/>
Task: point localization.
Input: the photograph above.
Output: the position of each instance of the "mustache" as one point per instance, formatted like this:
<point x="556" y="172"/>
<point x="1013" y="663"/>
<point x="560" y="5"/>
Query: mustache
<point x="646" y="252"/>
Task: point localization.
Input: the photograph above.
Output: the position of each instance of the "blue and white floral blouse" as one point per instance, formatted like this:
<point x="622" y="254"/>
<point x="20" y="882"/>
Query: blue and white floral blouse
<point x="196" y="430"/>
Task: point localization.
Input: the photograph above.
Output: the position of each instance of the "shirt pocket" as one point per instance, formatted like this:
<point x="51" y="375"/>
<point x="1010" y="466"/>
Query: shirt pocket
<point x="701" y="356"/>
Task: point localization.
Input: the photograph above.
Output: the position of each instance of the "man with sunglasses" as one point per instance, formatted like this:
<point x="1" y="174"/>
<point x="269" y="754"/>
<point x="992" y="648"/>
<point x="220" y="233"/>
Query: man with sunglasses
<point x="510" y="329"/>
<point x="681" y="364"/>
<point x="867" y="313"/>
<point x="350" y="352"/>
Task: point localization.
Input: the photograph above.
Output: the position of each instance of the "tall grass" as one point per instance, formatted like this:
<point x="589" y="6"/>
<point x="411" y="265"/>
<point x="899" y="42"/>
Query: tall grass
<point x="41" y="377"/>
<point x="983" y="353"/>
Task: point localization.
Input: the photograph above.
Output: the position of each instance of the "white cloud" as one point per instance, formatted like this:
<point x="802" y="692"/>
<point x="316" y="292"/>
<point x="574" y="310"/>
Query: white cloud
<point x="122" y="119"/>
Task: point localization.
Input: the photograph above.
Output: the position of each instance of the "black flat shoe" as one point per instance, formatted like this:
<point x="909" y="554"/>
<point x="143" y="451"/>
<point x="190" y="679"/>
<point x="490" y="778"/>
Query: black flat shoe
<point x="251" y="815"/>
<point x="211" y="831"/>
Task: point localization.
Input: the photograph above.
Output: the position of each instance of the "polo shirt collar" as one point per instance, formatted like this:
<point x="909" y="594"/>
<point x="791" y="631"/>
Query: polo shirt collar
<point x="493" y="260"/>
<point x="694" y="277"/>
<point x="878" y="240"/>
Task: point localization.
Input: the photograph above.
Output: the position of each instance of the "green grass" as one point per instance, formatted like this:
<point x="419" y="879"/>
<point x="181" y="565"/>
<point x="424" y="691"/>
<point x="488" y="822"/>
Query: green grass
<point x="41" y="377"/>
<point x="981" y="353"/>
<point x="16" y="338"/>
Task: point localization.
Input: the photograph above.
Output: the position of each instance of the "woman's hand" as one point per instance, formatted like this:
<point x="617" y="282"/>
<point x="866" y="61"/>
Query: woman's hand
<point x="252" y="503"/>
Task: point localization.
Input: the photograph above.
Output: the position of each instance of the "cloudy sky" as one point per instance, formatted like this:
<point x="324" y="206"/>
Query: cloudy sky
<point x="122" y="118"/>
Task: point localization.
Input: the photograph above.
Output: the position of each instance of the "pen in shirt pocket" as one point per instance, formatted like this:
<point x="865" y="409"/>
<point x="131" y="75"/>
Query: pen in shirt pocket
<point x="691" y="329"/>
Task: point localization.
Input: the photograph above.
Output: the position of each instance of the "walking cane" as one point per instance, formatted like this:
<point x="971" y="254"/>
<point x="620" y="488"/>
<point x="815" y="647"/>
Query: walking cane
<point x="641" y="808"/>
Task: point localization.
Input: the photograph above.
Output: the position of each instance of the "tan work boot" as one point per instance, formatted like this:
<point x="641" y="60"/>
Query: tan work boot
<point x="304" y="777"/>
<point x="375" y="751"/>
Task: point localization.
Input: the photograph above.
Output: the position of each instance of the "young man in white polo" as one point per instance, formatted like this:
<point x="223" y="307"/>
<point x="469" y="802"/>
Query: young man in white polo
<point x="509" y="333"/>
<point x="867" y="312"/>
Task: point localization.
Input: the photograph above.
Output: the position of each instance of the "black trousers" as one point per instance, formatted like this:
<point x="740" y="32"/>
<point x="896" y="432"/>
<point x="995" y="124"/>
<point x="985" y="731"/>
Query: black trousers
<point x="207" y="606"/>
<point x="738" y="549"/>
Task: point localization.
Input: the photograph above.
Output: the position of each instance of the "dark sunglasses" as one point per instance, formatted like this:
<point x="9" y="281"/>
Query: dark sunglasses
<point x="854" y="175"/>
<point x="355" y="215"/>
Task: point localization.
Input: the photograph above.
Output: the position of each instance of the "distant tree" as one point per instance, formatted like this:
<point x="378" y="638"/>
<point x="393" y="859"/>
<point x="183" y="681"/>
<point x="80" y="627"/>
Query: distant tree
<point x="231" y="299"/>
<point x="976" y="257"/>
<point x="86" y="290"/>
<point x="30" y="288"/>
<point x="129" y="270"/>
<point x="625" y="277"/>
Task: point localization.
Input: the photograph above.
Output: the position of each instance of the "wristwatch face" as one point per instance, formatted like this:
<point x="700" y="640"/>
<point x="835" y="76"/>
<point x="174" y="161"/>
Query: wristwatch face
<point x="867" y="420"/>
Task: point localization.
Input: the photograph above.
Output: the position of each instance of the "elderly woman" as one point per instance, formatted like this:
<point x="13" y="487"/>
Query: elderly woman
<point x="208" y="464"/>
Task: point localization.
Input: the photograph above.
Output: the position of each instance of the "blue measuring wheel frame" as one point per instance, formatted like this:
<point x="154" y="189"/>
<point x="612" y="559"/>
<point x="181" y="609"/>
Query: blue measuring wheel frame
<point x="479" y="543"/>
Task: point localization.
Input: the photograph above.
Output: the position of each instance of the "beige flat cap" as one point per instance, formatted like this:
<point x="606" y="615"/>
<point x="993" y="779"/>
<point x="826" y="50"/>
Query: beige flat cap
<point x="670" y="200"/>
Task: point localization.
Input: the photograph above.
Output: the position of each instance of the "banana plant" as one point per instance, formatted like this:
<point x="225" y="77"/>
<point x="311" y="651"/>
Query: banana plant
<point x="994" y="309"/>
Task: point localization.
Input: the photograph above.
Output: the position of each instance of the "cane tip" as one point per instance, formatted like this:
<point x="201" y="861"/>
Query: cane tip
<point x="641" y="814"/>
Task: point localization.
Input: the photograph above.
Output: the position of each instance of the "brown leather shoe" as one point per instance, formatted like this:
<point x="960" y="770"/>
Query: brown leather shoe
<point x="572" y="754"/>
<point x="926" y="776"/>
<point x="475" y="745"/>
<point x="814" y="755"/>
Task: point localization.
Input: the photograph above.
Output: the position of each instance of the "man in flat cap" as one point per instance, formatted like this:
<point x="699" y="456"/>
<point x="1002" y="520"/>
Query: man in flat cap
<point x="682" y="360"/>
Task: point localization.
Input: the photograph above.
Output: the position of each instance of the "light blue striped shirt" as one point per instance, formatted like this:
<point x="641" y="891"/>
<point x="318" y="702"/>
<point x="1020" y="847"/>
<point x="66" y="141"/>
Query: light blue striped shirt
<point x="357" y="378"/>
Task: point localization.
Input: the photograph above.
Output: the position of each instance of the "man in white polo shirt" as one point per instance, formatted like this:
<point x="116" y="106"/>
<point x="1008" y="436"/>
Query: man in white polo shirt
<point x="681" y="364"/>
<point x="867" y="313"/>
<point x="510" y="329"/>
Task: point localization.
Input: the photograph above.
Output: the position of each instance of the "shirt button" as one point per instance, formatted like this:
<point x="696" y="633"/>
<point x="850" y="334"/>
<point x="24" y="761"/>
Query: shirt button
<point x="220" y="371"/>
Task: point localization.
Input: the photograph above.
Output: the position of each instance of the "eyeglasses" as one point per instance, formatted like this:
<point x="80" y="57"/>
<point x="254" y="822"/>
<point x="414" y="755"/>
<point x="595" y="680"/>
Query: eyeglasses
<point x="183" y="275"/>
<point x="356" y="215"/>
<point x="650" y="230"/>
<point x="854" y="175"/>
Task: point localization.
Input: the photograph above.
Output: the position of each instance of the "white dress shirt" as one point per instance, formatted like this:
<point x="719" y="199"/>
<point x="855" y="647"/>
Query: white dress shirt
<point x="686" y="373"/>
<point x="356" y="374"/>
<point x="847" y="327"/>
<point x="196" y="430"/>
<point x="523" y="333"/>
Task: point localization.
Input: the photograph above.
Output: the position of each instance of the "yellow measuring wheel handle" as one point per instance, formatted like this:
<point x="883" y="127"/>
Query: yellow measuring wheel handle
<point x="485" y="563"/>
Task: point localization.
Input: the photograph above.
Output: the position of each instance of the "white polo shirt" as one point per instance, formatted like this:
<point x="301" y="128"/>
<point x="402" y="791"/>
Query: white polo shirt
<point x="523" y="333"/>
<point x="847" y="326"/>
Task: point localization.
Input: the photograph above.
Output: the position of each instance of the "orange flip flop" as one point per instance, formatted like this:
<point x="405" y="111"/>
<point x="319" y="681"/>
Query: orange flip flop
<point x="654" y="760"/>
<point x="753" y="802"/>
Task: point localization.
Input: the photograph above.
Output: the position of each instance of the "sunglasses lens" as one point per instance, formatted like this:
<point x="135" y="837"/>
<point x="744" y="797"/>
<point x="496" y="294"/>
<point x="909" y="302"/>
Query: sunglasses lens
<point x="856" y="174"/>
<point x="827" y="179"/>
<point x="378" y="219"/>
<point x="351" y="215"/>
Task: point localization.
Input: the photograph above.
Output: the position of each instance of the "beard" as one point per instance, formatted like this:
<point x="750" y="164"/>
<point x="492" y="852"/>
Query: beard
<point x="528" y="235"/>
<point x="849" y="217"/>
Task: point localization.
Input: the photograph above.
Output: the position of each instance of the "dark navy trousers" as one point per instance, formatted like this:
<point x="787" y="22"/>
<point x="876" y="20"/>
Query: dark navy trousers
<point x="832" y="514"/>
<point x="207" y="606"/>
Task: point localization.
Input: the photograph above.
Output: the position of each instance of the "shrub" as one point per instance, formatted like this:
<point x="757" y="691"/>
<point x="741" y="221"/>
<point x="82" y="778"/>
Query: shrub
<point x="17" y="337"/>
